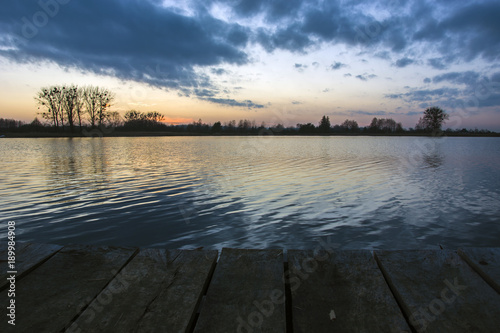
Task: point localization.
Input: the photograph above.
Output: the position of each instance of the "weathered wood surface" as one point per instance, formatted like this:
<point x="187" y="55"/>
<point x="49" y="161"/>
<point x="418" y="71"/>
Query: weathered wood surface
<point x="486" y="262"/>
<point x="27" y="256"/>
<point x="102" y="289"/>
<point x="49" y="297"/>
<point x="246" y="294"/>
<point x="341" y="291"/>
<point x="158" y="291"/>
<point x="439" y="292"/>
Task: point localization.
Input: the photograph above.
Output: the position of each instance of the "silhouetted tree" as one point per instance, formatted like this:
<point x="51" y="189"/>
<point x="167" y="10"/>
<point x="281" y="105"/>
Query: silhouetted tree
<point x="79" y="106"/>
<point x="216" y="127"/>
<point x="69" y="101"/>
<point x="139" y="120"/>
<point x="385" y="125"/>
<point x="306" y="128"/>
<point x="90" y="98"/>
<point x="230" y="126"/>
<point x="50" y="98"/>
<point x="154" y="117"/>
<point x="114" y="119"/>
<point x="350" y="125"/>
<point x="104" y="99"/>
<point x="10" y="123"/>
<point x="324" y="125"/>
<point x="434" y="117"/>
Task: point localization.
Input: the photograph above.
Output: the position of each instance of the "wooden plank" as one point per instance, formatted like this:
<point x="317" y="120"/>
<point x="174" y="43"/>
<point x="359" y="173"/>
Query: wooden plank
<point x="28" y="256"/>
<point x="341" y="291"/>
<point x="247" y="293"/>
<point x="158" y="291"/>
<point x="439" y="292"/>
<point x="486" y="262"/>
<point x="48" y="298"/>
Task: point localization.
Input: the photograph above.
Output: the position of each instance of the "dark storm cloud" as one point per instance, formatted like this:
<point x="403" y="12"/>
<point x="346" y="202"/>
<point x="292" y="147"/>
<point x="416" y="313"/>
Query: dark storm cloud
<point x="146" y="42"/>
<point x="129" y="39"/>
<point x="474" y="90"/>
<point x="290" y="38"/>
<point x="273" y="10"/>
<point x="466" y="32"/>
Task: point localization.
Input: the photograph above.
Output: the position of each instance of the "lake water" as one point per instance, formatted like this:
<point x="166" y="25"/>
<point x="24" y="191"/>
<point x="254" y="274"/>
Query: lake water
<point x="253" y="192"/>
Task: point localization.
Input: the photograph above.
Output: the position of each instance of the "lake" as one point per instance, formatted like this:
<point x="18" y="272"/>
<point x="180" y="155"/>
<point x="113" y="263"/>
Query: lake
<point x="253" y="192"/>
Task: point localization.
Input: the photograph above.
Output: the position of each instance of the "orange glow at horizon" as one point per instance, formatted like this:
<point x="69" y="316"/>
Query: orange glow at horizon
<point x="177" y="121"/>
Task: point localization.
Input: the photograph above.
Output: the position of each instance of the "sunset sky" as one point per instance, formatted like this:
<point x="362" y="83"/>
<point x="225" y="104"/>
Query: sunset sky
<point x="284" y="61"/>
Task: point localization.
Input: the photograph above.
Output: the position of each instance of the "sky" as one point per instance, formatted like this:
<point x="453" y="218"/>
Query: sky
<point x="281" y="61"/>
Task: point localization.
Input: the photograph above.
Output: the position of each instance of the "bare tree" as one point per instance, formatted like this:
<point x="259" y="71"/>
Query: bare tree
<point x="114" y="119"/>
<point x="79" y="106"/>
<point x="69" y="100"/>
<point x="97" y="101"/>
<point x="154" y="116"/>
<point x="50" y="98"/>
<point x="104" y="99"/>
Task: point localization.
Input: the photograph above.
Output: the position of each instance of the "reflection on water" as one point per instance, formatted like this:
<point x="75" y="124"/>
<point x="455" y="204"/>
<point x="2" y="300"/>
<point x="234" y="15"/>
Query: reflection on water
<point x="258" y="192"/>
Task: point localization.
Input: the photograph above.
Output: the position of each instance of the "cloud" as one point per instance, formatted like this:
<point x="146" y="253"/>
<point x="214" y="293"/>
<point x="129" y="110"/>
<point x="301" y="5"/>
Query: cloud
<point x="337" y="65"/>
<point x="218" y="71"/>
<point x="231" y="102"/>
<point x="204" y="92"/>
<point x="477" y="91"/>
<point x="300" y="67"/>
<point x="366" y="77"/>
<point x="132" y="40"/>
<point x="403" y="62"/>
<point x="272" y="10"/>
<point x="437" y="63"/>
<point x="394" y="96"/>
<point x="467" y="78"/>
<point x="184" y="50"/>
<point x="368" y="113"/>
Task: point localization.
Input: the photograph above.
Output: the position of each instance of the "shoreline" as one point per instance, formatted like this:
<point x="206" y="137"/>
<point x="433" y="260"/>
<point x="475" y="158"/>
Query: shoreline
<point x="7" y="135"/>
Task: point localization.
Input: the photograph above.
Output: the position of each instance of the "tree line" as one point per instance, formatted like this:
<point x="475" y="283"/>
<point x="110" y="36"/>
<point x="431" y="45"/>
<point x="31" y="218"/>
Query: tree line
<point x="71" y="106"/>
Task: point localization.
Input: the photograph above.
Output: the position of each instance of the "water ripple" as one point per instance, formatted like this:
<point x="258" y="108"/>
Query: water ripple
<point x="253" y="192"/>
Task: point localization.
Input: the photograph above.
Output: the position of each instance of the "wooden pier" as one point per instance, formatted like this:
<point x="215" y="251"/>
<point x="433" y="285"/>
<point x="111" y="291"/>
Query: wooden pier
<point x="113" y="289"/>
